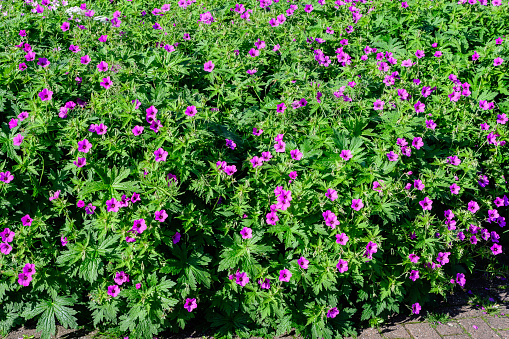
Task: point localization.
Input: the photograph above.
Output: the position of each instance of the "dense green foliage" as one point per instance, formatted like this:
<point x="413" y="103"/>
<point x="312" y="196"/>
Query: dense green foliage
<point x="387" y="158"/>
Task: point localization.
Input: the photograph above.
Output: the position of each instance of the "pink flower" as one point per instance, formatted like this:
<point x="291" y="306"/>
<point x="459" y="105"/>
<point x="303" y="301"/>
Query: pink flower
<point x="45" y="94"/>
<point x="65" y="26"/>
<point x="106" y="82"/>
<point x="473" y="206"/>
<point x="346" y="154"/>
<point x="246" y="233"/>
<point x="18" y="139"/>
<point x="208" y="66"/>
<point x="190" y="111"/>
<point x="342" y="238"/>
<point x="190" y="304"/>
<point x="285" y="275"/>
<point x="331" y="194"/>
<point x="455" y="189"/>
<point x="113" y="290"/>
<point x="357" y="204"/>
<point x="160" y="155"/>
<point x="342" y="266"/>
<point x="296" y="154"/>
<point x="392" y="156"/>
<point x="160" y="215"/>
<point x="426" y="204"/>
<point x="303" y="263"/>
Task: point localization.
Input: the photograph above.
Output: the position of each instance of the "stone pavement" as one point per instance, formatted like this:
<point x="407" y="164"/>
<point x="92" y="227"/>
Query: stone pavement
<point x="465" y="322"/>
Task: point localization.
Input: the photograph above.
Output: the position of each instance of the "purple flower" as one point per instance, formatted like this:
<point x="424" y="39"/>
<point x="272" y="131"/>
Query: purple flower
<point x="413" y="258"/>
<point x="357" y="204"/>
<point x="426" y="204"/>
<point x="418" y="185"/>
<point x="54" y="196"/>
<point x="303" y="263"/>
<point x="29" y="269"/>
<point x="18" y="139"/>
<point x="102" y="66"/>
<point x="455" y="189"/>
<point x="342" y="266"/>
<point x="285" y="275"/>
<point x="414" y="275"/>
<point x="346" y="155"/>
<point x="176" y="237"/>
<point x="417" y="142"/>
<point x="271" y="218"/>
<point x="26" y="220"/>
<point x="280" y="147"/>
<point x="161" y="215"/>
<point x="120" y="278"/>
<point x="206" y="18"/>
<point x="498" y="61"/>
<point x="333" y="312"/>
<point x="65" y="26"/>
<point x="191" y="111"/>
<point x="7" y="235"/>
<point x="84" y="146"/>
<point x="265" y="284"/>
<point x="341" y="239"/>
<point x="378" y="105"/>
<point x="392" y="156"/>
<point x="160" y="155"/>
<point x="453" y="160"/>
<point x="208" y="66"/>
<point x="419" y="54"/>
<point x="460" y="279"/>
<point x="113" y="290"/>
<point x="106" y="82"/>
<point x="496" y="249"/>
<point x="112" y="205"/>
<point x="419" y="107"/>
<point x="416" y="308"/>
<point x="190" y="304"/>
<point x="137" y="130"/>
<point x="331" y="194"/>
<point x="256" y="161"/>
<point x="139" y="226"/>
<point x="5" y="248"/>
<point x="80" y="162"/>
<point x="24" y="279"/>
<point x="45" y="94"/>
<point x="473" y="206"/>
<point x="246" y="233"/>
<point x="230" y="144"/>
<point x="296" y="154"/>
<point x="242" y="279"/>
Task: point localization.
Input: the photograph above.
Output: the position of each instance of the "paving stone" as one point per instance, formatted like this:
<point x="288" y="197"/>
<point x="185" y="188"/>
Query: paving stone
<point x="370" y="333"/>
<point x="465" y="311"/>
<point x="422" y="331"/>
<point x="450" y="328"/>
<point x="397" y="331"/>
<point x="500" y="322"/>
<point x="483" y="331"/>
<point x="504" y="334"/>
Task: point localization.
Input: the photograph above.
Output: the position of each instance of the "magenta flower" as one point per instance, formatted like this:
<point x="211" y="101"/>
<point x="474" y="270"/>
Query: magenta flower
<point x="378" y="105"/>
<point x="13" y="123"/>
<point x="460" y="279"/>
<point x="5" y="248"/>
<point x="102" y="66"/>
<point x="418" y="185"/>
<point x="430" y="124"/>
<point x="272" y="218"/>
<point x="18" y="139"/>
<point x="266" y="156"/>
<point x="43" y="62"/>
<point x="137" y="130"/>
<point x="242" y="279"/>
<point x="416" y="308"/>
<point x="106" y="82"/>
<point x="65" y="26"/>
<point x="333" y="312"/>
<point x="414" y="275"/>
<point x="265" y="284"/>
<point x="331" y="194"/>
<point x="453" y="160"/>
<point x="419" y="107"/>
<point x="80" y="162"/>
<point x="74" y="48"/>
<point x="308" y="8"/>
<point x="413" y="258"/>
<point x="191" y="111"/>
<point x="303" y="263"/>
<point x="285" y="275"/>
<point x="29" y="269"/>
<point x="120" y="278"/>
<point x="246" y="233"/>
<point x="139" y="226"/>
<point x="160" y="155"/>
<point x="113" y="290"/>
<point x="24" y="279"/>
<point x="190" y="304"/>
<point x="208" y="66"/>
<point x="496" y="249"/>
<point x="45" y="94"/>
<point x="417" y="142"/>
<point x="426" y="204"/>
<point x="357" y="204"/>
<point x="296" y="154"/>
<point x="419" y="54"/>
<point x="342" y="266"/>
<point x="103" y="38"/>
<point x="176" y="237"/>
<point x="22" y="66"/>
<point x="229" y="170"/>
<point x="26" y="220"/>
<point x="7" y="235"/>
<point x="392" y="156"/>
<point x="346" y="154"/>
<point x="55" y="195"/>
<point x="281" y="107"/>
<point x="455" y="189"/>
<point x="112" y="205"/>
<point x="85" y="60"/>
<point x="84" y="146"/>
<point x="498" y="61"/>
<point x="280" y="147"/>
<point x="342" y="238"/>
<point x="161" y="215"/>
<point x="256" y="161"/>
<point x="473" y="206"/>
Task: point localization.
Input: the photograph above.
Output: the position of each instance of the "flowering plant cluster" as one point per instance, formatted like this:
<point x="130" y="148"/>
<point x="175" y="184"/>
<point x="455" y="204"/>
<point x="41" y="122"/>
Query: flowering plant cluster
<point x="264" y="165"/>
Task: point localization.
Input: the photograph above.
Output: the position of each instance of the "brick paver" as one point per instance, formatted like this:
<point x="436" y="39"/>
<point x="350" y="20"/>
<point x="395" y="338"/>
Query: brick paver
<point x="504" y="334"/>
<point x="422" y="331"/>
<point x="499" y="323"/>
<point x="450" y="328"/>
<point x="370" y="333"/>
<point x="481" y="329"/>
<point x="393" y="332"/>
